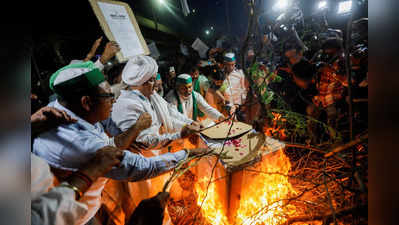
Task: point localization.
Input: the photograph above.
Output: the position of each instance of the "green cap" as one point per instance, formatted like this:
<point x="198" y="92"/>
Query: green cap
<point x="76" y="77"/>
<point x="184" y="79"/>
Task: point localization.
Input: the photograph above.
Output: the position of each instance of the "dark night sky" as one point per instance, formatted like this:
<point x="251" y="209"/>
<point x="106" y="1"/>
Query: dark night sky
<point x="77" y="17"/>
<point x="213" y="13"/>
<point x="75" y="20"/>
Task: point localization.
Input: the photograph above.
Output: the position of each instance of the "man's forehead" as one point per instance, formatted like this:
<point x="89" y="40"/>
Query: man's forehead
<point x="187" y="85"/>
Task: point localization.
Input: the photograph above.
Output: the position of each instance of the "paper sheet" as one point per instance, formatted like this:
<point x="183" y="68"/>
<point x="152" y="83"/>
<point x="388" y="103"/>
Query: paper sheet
<point x="122" y="28"/>
<point x="154" y="50"/>
<point x="200" y="47"/>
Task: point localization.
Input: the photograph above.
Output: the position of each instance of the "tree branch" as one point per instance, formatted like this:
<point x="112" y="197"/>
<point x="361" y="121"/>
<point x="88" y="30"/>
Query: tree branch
<point x="346" y="146"/>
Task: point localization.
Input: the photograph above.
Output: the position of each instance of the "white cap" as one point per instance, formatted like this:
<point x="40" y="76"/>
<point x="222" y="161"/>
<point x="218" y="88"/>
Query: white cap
<point x="139" y="69"/>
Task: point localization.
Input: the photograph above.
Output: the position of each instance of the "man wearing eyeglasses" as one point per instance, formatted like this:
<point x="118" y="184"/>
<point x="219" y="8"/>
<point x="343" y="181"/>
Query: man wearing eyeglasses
<point x="85" y="96"/>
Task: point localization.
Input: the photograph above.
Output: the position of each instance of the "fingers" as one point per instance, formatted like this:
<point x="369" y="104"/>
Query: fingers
<point x="144" y="121"/>
<point x="67" y="117"/>
<point x="98" y="41"/>
<point x="142" y="146"/>
<point x="114" y="45"/>
<point x="119" y="154"/>
<point x="49" y="111"/>
<point x="33" y="96"/>
<point x="139" y="146"/>
<point x="113" y="153"/>
<point x="145" y="115"/>
<point x="60" y="115"/>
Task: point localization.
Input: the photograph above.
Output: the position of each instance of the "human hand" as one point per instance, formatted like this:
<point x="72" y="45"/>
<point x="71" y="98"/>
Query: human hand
<point x="189" y="130"/>
<point x="111" y="48"/>
<point x="93" y="49"/>
<point x="138" y="146"/>
<point x="233" y="109"/>
<point x="144" y="121"/>
<point x="48" y="118"/>
<point x="104" y="160"/>
<point x="221" y="118"/>
<point x="197" y="124"/>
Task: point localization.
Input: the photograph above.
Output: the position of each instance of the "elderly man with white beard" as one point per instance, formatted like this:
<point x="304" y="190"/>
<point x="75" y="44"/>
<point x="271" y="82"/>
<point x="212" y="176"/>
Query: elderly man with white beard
<point x="189" y="102"/>
<point x="167" y="123"/>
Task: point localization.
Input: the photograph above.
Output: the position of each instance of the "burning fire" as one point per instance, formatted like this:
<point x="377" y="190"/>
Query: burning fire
<point x="261" y="198"/>
<point x="212" y="208"/>
<point x="276" y="128"/>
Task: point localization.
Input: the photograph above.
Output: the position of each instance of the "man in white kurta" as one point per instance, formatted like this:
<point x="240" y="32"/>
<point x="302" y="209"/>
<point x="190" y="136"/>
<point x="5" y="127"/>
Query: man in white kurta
<point x="69" y="147"/>
<point x="167" y="123"/>
<point x="189" y="102"/>
<point x="236" y="84"/>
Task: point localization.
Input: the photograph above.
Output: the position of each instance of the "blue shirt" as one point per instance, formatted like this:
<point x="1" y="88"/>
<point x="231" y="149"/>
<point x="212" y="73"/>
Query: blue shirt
<point x="71" y="146"/>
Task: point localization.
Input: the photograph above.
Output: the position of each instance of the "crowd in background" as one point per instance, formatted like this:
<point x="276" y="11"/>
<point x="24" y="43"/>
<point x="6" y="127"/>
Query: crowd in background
<point x="213" y="87"/>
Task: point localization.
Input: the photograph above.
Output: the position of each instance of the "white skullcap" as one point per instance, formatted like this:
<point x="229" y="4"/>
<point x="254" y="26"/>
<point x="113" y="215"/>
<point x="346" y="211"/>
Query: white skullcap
<point x="139" y="69"/>
<point x="184" y="79"/>
<point x="229" y="57"/>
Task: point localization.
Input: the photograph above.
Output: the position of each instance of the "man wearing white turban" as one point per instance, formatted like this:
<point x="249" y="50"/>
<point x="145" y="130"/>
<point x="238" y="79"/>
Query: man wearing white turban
<point x="167" y="123"/>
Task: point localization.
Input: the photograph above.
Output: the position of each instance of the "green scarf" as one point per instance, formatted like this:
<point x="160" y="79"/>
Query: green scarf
<point x="197" y="86"/>
<point x="180" y="106"/>
<point x="198" y="89"/>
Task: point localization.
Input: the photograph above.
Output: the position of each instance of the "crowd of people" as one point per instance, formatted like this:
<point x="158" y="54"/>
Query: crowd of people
<point x="116" y="122"/>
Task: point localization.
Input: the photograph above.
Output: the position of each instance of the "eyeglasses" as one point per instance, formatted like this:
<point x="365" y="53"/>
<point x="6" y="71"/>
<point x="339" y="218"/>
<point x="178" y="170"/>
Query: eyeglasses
<point x="106" y="95"/>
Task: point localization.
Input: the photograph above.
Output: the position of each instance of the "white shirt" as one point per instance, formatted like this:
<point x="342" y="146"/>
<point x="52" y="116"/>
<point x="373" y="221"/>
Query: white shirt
<point x="187" y="105"/>
<point x="237" y="88"/>
<point x="71" y="146"/>
<point x="52" y="205"/>
<point x="131" y="104"/>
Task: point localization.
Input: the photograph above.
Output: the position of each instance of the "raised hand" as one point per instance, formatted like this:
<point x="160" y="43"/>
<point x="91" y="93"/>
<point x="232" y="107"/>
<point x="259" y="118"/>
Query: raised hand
<point x="111" y="48"/>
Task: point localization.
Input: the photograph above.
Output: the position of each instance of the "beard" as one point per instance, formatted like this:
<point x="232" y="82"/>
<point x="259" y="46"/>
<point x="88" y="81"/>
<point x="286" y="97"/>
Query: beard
<point x="185" y="97"/>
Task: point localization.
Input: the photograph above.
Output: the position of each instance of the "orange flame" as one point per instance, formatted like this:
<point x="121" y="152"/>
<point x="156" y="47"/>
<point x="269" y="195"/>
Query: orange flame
<point x="262" y="201"/>
<point x="276" y="128"/>
<point x="212" y="209"/>
<point x="262" y="195"/>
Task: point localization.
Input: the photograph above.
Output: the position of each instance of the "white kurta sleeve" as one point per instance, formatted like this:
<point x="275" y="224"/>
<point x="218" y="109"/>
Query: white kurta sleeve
<point x="58" y="206"/>
<point x="125" y="114"/>
<point x="179" y="118"/>
<point x="209" y="111"/>
<point x="153" y="139"/>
